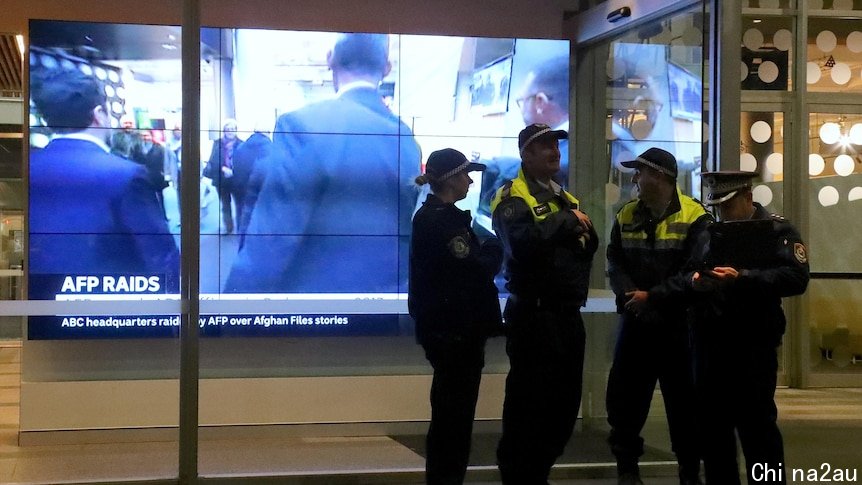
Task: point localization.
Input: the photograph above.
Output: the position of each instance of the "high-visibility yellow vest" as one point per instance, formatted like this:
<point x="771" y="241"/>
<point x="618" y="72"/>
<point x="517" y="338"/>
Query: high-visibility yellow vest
<point x="670" y="233"/>
<point x="518" y="188"/>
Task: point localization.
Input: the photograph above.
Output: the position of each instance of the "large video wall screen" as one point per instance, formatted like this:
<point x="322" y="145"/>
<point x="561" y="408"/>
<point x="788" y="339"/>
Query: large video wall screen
<point x="310" y="142"/>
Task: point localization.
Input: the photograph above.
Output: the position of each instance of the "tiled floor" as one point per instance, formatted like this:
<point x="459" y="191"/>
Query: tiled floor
<point x="819" y="426"/>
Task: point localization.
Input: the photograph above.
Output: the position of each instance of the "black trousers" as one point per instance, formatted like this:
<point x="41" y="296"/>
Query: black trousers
<point x="543" y="389"/>
<point x="457" y="367"/>
<point x="650" y="351"/>
<point x="735" y="383"/>
<point x="227" y="193"/>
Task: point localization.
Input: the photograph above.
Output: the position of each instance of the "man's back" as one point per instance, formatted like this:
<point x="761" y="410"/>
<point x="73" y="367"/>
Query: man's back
<point x="95" y="212"/>
<point x="337" y="195"/>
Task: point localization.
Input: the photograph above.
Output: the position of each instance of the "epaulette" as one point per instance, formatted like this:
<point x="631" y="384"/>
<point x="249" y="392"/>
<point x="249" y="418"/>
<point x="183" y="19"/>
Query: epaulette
<point x="506" y="190"/>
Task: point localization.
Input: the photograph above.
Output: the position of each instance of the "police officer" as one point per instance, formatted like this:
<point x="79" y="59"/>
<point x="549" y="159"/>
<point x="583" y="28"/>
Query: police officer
<point x="548" y="245"/>
<point x="651" y="242"/>
<point x="737" y="324"/>
<point x="453" y="300"/>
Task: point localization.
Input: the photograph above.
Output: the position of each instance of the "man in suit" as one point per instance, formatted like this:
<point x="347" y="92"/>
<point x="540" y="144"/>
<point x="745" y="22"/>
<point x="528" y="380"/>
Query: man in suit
<point x="91" y="212"/>
<point x="333" y="214"/>
<point x="249" y="172"/>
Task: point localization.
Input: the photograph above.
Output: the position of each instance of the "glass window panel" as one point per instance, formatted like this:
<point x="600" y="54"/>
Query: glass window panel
<point x="835" y="191"/>
<point x="835" y="326"/>
<point x="762" y="151"/>
<point x="839" y="5"/>
<point x="767" y="53"/>
<point x="834" y="55"/>
<point x="103" y="254"/>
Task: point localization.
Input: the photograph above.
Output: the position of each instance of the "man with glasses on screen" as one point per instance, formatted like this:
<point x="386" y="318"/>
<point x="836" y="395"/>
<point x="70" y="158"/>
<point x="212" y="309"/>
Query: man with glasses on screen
<point x="544" y="98"/>
<point x="91" y="212"/>
<point x="333" y="214"/>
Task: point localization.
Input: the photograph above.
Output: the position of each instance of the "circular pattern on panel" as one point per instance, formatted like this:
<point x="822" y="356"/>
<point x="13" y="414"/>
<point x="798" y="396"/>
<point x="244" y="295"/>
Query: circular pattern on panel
<point x="816" y="164"/>
<point x="783" y="39"/>
<point x="680" y="23"/>
<point x="828" y="196"/>
<point x="826" y="41"/>
<point x="830" y="133"/>
<point x="760" y="131"/>
<point x="842" y="4"/>
<point x="843" y="165"/>
<point x="747" y="163"/>
<point x="743" y="71"/>
<point x="624" y="156"/>
<point x="615" y="68"/>
<point x="692" y="36"/>
<point x="752" y="39"/>
<point x="855" y="134"/>
<point x="762" y="194"/>
<point x="815" y="4"/>
<point x="768" y="72"/>
<point x="812" y="73"/>
<point x="775" y="163"/>
<point x="855" y="194"/>
<point x="841" y="73"/>
<point x="641" y="129"/>
<point x="854" y="41"/>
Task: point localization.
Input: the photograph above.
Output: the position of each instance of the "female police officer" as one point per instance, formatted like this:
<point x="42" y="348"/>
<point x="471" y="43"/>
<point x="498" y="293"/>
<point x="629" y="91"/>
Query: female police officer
<point x="453" y="300"/>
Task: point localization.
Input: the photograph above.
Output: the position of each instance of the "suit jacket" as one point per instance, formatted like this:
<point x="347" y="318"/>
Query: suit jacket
<point x="333" y="214"/>
<point x="95" y="213"/>
<point x="257" y="147"/>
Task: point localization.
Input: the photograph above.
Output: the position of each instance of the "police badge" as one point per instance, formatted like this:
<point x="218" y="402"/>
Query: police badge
<point x="459" y="247"/>
<point x="799" y="253"/>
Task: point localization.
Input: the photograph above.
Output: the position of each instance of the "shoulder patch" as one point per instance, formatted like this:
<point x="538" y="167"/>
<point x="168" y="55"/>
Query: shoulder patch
<point x="508" y="211"/>
<point x="799" y="253"/>
<point x="459" y="247"/>
<point x="777" y="217"/>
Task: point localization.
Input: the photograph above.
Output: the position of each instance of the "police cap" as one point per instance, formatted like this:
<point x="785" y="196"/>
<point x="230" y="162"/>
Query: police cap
<point x="656" y="159"/>
<point x="447" y="162"/>
<point x="536" y="131"/>
<point x="722" y="186"/>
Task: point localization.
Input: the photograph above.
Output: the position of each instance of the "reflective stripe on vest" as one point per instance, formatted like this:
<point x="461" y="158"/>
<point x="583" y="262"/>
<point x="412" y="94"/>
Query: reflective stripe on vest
<point x="518" y="188"/>
<point x="670" y="233"/>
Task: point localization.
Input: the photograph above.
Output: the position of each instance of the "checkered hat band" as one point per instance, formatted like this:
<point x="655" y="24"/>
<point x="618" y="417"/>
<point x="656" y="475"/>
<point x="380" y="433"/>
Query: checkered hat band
<point x="728" y="186"/>
<point x="454" y="170"/>
<point x="535" y="135"/>
<point x="655" y="166"/>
